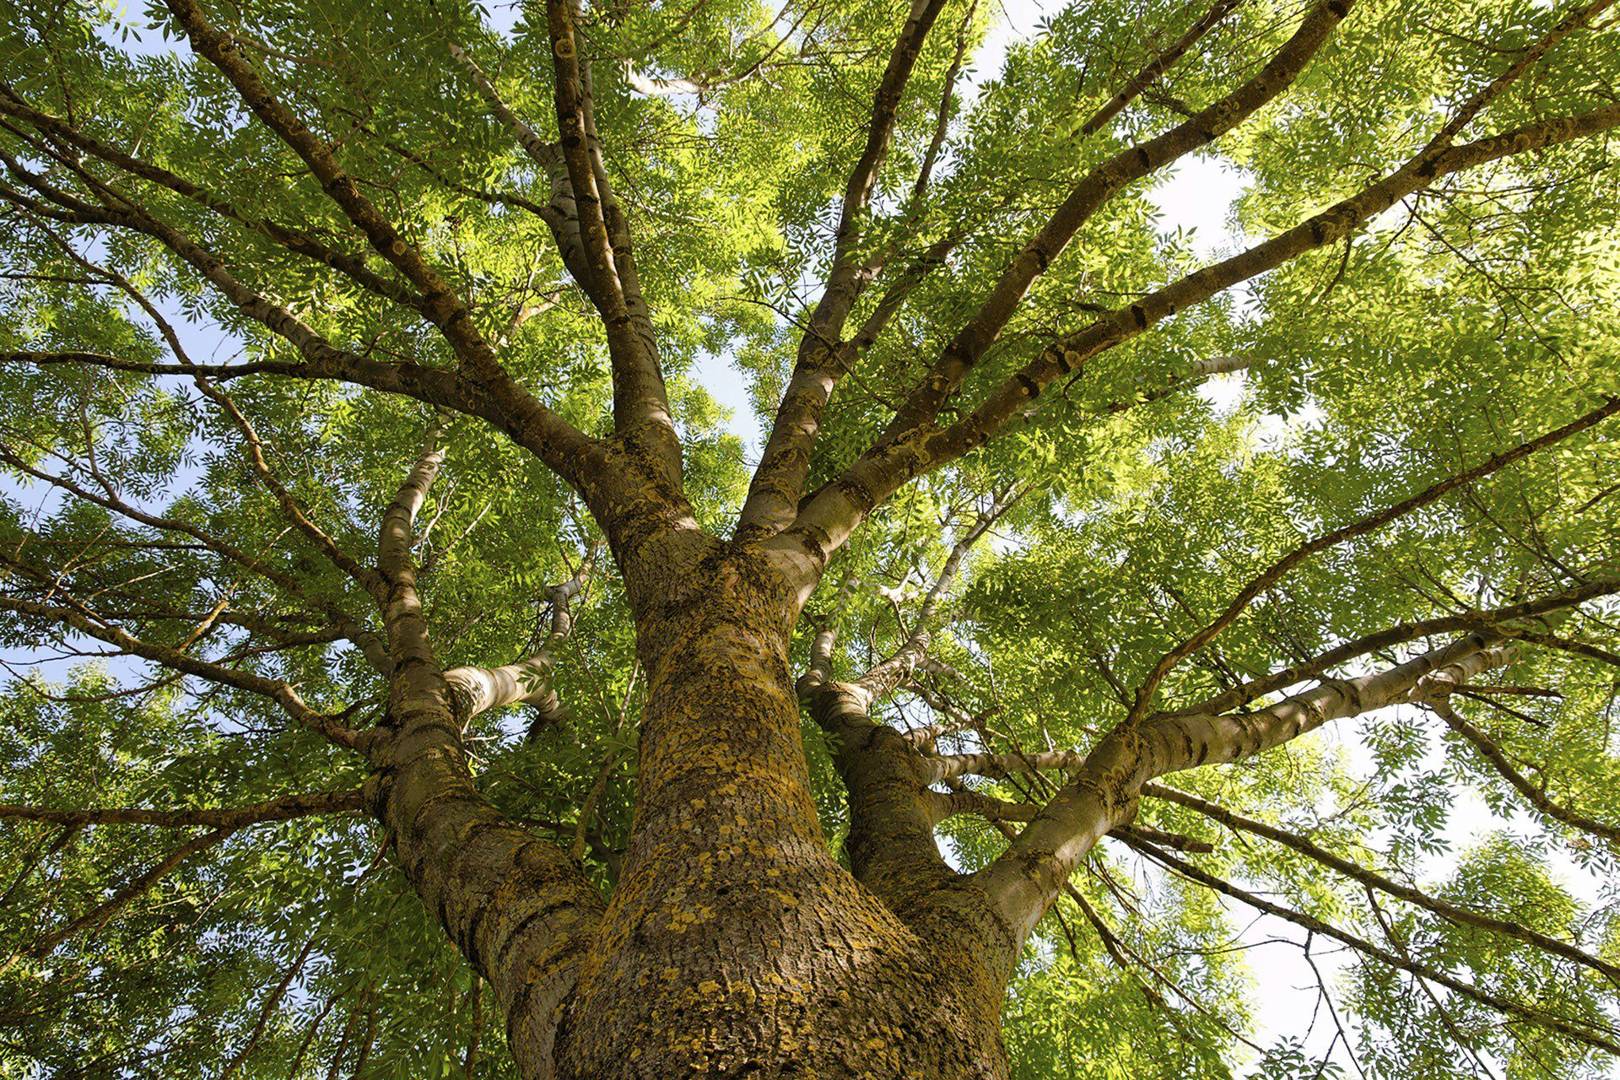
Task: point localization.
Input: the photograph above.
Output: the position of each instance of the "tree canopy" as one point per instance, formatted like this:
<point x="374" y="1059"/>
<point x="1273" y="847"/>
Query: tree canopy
<point x="341" y="337"/>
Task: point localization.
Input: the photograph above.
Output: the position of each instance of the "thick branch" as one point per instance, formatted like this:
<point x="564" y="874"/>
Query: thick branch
<point x="995" y="766"/>
<point x="446" y="310"/>
<point x="778" y="481"/>
<point x="891" y="842"/>
<point x="562" y="214"/>
<point x="1013" y="397"/>
<point x="478" y="689"/>
<point x="519" y="908"/>
<point x="572" y="455"/>
<point x="1027" y="877"/>
<point x="1495" y="619"/>
<point x="641" y="414"/>
<point x="1090" y="194"/>
<point x="832" y="515"/>
<point x="558" y="443"/>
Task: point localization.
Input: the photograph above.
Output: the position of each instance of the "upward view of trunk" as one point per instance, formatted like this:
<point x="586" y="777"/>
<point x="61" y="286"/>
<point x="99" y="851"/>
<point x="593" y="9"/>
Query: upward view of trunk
<point x="735" y="944"/>
<point x="949" y="324"/>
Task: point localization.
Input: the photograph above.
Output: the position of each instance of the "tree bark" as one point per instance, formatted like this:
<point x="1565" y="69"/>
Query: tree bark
<point x="735" y="943"/>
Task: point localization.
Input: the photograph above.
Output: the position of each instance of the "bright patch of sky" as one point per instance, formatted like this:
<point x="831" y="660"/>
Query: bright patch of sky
<point x="132" y="32"/>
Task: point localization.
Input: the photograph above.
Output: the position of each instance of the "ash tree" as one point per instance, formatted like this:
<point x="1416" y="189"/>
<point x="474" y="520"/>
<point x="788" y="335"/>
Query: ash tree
<point x="413" y="673"/>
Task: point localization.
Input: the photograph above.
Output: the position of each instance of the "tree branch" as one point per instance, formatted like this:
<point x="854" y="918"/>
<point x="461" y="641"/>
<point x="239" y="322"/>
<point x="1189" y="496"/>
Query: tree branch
<point x="294" y="240"/>
<point x="1371" y="878"/>
<point x="641" y="414"/>
<point x="1024" y="880"/>
<point x="1099" y="186"/>
<point x="774" y="491"/>
<point x="827" y="520"/>
<point x="283" y="808"/>
<point x="253" y="450"/>
<point x="1498" y="620"/>
<point x="363" y="638"/>
<point x="1581" y="1031"/>
<point x="97" y="917"/>
<point x="1360" y="527"/>
<point x="1536" y="795"/>
<point x="281" y="693"/>
<point x="1154" y="68"/>
<point x="479" y="689"/>
<point x="518" y="907"/>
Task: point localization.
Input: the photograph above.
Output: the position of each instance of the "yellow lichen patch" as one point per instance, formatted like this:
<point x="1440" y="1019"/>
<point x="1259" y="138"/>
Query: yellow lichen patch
<point x="682" y="919"/>
<point x="708" y="988"/>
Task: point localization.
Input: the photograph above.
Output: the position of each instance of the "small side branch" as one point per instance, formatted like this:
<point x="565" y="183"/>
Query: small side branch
<point x="271" y="1002"/>
<point x="102" y="913"/>
<point x="1371" y="878"/>
<point x="284" y="808"/>
<point x="479" y="689"/>
<point x="281" y="693"/>
<point x="1360" y="527"/>
<point x="1533" y="793"/>
<point x="253" y="450"/>
<point x="1156" y="67"/>
<point x="1589" y="1034"/>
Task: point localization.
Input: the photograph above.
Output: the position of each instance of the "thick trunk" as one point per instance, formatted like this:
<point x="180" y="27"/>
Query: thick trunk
<point x="735" y="944"/>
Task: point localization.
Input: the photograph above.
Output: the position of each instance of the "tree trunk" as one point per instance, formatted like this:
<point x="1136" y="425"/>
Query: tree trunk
<point x="735" y="944"/>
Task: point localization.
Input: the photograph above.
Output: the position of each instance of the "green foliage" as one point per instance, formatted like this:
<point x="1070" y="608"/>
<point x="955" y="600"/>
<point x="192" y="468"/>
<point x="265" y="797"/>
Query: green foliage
<point x="1463" y="321"/>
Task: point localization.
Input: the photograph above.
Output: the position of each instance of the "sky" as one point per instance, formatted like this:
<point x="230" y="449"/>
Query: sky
<point x="1196" y="196"/>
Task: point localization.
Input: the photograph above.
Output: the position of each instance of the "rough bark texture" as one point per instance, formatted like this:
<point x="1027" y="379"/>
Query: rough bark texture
<point x="735" y="944"/>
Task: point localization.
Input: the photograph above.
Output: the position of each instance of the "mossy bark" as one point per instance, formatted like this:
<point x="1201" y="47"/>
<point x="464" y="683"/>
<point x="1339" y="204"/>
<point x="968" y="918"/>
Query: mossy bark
<point x="735" y="943"/>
